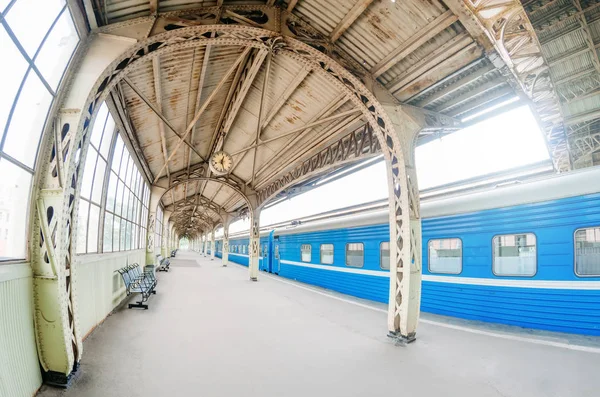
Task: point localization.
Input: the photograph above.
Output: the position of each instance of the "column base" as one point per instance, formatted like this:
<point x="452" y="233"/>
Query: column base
<point x="401" y="340"/>
<point x="253" y="279"/>
<point x="58" y="379"/>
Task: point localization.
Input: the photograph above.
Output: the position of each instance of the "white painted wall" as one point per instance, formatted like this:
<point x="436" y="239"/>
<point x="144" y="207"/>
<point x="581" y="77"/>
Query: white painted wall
<point x="19" y="366"/>
<point x="99" y="287"/>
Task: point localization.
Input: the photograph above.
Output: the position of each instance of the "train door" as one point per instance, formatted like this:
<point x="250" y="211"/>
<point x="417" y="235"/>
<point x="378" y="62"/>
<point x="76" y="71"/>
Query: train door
<point x="276" y="259"/>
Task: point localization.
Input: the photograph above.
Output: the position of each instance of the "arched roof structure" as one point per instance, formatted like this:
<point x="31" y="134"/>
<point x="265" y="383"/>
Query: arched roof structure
<point x="450" y="59"/>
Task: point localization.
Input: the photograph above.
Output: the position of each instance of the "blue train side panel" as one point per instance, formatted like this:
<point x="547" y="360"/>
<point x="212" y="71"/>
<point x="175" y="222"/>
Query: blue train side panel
<point x="368" y="282"/>
<point x="565" y="303"/>
<point x="554" y="299"/>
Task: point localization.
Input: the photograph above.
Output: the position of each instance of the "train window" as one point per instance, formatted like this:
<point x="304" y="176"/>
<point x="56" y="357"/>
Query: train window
<point x="384" y="255"/>
<point x="327" y="254"/>
<point x="355" y="254"/>
<point x="514" y="255"/>
<point x="445" y="255"/>
<point x="305" y="252"/>
<point x="265" y="250"/>
<point x="587" y="251"/>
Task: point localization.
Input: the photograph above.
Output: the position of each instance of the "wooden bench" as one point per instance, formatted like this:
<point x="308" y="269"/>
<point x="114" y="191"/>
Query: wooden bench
<point x="140" y="282"/>
<point x="173" y="253"/>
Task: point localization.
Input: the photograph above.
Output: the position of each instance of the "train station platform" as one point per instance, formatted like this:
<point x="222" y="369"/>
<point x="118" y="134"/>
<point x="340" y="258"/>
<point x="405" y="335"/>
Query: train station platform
<point x="210" y="331"/>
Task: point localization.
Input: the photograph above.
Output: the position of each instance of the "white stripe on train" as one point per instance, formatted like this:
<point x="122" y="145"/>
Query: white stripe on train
<point x="548" y="284"/>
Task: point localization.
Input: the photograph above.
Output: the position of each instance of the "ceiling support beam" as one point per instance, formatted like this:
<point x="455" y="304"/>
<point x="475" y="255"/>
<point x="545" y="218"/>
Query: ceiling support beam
<point x="324" y="138"/>
<point x="265" y="87"/>
<point x="155" y="110"/>
<point x="299" y="129"/>
<point x="161" y="125"/>
<point x="198" y="113"/>
<point x="424" y="34"/>
<point x="328" y="110"/>
<point x="352" y="15"/>
<point x="454" y="87"/>
<point x="283" y="98"/>
<point x="237" y="97"/>
<point x="443" y="53"/>
<point x="291" y="5"/>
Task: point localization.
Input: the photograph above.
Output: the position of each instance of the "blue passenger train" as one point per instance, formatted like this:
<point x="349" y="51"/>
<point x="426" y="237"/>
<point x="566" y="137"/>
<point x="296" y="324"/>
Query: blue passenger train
<point x="526" y="254"/>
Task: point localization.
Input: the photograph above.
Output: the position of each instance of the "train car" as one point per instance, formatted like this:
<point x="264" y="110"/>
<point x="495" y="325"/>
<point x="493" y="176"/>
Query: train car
<point x="525" y="254"/>
<point x="239" y="249"/>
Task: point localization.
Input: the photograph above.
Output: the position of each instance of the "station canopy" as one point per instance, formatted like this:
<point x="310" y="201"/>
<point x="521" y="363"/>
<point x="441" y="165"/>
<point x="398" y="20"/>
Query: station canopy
<point x="455" y="62"/>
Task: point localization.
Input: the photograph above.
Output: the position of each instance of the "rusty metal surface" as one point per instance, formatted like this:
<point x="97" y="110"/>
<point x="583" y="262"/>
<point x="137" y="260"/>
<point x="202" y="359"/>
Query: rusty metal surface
<point x="436" y="74"/>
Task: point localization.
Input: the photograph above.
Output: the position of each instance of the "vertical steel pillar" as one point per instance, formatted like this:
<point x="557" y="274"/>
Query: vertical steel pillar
<point x="405" y="227"/>
<point x="225" y="257"/>
<point x="164" y="244"/>
<point x="55" y="202"/>
<point x="212" y="245"/>
<point x="254" y="244"/>
<point x="155" y="195"/>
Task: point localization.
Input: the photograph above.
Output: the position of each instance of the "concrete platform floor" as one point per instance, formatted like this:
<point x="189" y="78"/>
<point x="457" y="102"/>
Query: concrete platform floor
<point x="212" y="332"/>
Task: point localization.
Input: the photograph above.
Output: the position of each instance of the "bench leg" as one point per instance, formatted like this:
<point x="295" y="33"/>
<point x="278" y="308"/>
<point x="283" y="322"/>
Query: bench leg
<point x="153" y="292"/>
<point x="138" y="304"/>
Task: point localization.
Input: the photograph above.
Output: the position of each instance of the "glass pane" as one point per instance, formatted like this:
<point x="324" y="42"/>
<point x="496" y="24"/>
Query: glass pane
<point x="111" y="193"/>
<point x="88" y="173"/>
<point x="92" y="245"/>
<point x="305" y="251"/>
<point x="14" y="67"/>
<point x="30" y="20"/>
<point x="355" y="255"/>
<point x="119" y="198"/>
<point x="327" y="254"/>
<point x="28" y="120"/>
<point x="128" y="236"/>
<point x="116" y="163"/>
<point x="57" y="50"/>
<point x="82" y="217"/>
<point x="587" y="252"/>
<point x="123" y="234"/>
<point x="515" y="255"/>
<point x="108" y="232"/>
<point x="99" y="126"/>
<point x="14" y="200"/>
<point x="98" y="181"/>
<point x="124" y="165"/>
<point x="116" y="233"/>
<point x="109" y="129"/>
<point x="445" y="256"/>
<point x="384" y="252"/>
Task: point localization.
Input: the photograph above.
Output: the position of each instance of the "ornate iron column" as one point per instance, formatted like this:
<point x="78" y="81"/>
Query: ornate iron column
<point x="254" y="244"/>
<point x="212" y="245"/>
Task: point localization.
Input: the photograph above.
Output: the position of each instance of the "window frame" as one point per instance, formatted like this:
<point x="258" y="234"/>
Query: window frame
<point x="461" y="255"/>
<point x="381" y="256"/>
<point x="310" y="253"/>
<point x="332" y="254"/>
<point x="363" y="255"/>
<point x="515" y="275"/>
<point x="575" y="253"/>
<point x="32" y="68"/>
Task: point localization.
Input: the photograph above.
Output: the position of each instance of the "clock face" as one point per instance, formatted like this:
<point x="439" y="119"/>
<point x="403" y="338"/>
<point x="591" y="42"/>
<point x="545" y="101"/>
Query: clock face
<point x="221" y="162"/>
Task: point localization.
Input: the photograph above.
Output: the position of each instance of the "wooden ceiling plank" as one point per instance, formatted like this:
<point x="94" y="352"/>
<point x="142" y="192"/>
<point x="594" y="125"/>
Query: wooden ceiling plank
<point x="424" y="34"/>
<point x="352" y="15"/>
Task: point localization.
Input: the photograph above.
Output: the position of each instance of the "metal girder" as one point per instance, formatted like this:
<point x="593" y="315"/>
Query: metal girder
<point x="236" y="97"/>
<point x="505" y="25"/>
<point x="352" y="15"/>
<point x="415" y="41"/>
<point x="161" y="125"/>
<point x="358" y="145"/>
<point x="457" y="44"/>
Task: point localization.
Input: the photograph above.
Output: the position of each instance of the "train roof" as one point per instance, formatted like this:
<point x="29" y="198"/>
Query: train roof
<point x="552" y="187"/>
